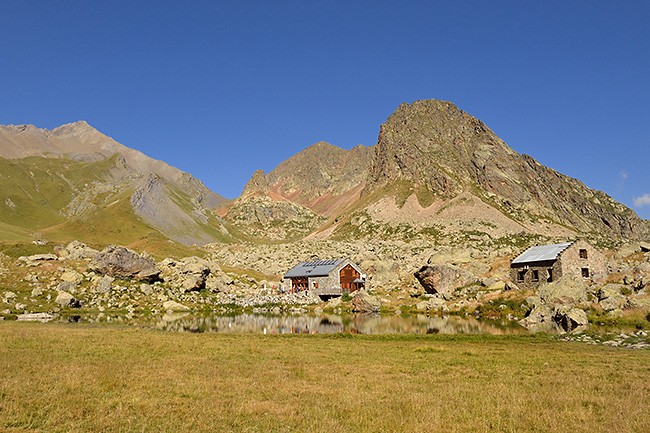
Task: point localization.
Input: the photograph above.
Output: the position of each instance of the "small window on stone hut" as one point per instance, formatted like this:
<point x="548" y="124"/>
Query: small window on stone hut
<point x="583" y="254"/>
<point x="550" y="276"/>
<point x="535" y="275"/>
<point x="521" y="275"/>
<point x="315" y="285"/>
<point x="585" y="272"/>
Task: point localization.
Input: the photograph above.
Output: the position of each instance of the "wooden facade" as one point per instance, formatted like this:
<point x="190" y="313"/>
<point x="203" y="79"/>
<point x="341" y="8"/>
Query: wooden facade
<point x="326" y="277"/>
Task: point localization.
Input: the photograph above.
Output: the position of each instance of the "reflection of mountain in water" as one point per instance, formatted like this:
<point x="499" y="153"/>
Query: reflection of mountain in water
<point x="311" y="324"/>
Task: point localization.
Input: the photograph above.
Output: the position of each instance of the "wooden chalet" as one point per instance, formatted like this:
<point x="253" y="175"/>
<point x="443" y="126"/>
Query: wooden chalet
<point x="325" y="277"/>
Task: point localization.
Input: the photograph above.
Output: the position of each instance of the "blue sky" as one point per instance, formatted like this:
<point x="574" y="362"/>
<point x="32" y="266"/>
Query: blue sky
<point x="220" y="89"/>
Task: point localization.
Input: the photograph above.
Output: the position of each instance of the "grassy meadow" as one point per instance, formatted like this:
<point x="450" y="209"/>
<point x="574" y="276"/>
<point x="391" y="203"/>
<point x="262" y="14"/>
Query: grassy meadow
<point x="84" y="378"/>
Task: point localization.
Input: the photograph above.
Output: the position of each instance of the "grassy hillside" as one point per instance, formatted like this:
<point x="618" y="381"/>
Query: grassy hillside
<point x="34" y="190"/>
<point x="63" y="200"/>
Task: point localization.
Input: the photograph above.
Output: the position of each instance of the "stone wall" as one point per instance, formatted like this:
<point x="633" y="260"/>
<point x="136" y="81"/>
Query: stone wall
<point x="573" y="263"/>
<point x="545" y="271"/>
<point x="324" y="283"/>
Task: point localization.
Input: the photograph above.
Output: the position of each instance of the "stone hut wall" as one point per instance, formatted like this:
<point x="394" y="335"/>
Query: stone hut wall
<point x="572" y="262"/>
<point x="544" y="270"/>
<point x="324" y="283"/>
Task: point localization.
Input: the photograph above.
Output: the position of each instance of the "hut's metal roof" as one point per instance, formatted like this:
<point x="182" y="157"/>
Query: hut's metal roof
<point x="542" y="253"/>
<point x="319" y="268"/>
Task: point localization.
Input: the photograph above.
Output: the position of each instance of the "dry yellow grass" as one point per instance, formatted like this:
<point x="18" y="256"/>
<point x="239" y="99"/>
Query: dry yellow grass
<point x="77" y="378"/>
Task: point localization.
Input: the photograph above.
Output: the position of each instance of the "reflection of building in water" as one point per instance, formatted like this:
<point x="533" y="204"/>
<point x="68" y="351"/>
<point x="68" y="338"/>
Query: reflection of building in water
<point x="309" y="323"/>
<point x="255" y="323"/>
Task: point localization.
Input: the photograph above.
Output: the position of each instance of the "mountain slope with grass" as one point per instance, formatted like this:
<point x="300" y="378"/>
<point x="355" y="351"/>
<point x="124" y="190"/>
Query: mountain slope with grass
<point x="76" y="183"/>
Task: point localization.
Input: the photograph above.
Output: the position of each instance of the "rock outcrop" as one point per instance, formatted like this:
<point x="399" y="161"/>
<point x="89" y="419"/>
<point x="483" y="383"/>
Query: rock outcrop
<point x="439" y="147"/>
<point x="65" y="299"/>
<point x="444" y="279"/>
<point x="363" y="302"/>
<point x="121" y="262"/>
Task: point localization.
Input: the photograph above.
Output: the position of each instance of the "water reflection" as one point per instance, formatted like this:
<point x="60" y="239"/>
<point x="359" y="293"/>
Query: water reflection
<point x="308" y="323"/>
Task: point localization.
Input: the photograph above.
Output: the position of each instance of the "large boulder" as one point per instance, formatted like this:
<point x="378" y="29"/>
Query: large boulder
<point x="611" y="298"/>
<point x="539" y="314"/>
<point x="193" y="272"/>
<point x="570" y="319"/>
<point x="444" y="279"/>
<point x="77" y="250"/>
<point x="567" y="290"/>
<point x="65" y="299"/>
<point x="333" y="303"/>
<point x="121" y="262"/>
<point x="105" y="285"/>
<point x="35" y="258"/>
<point x="72" y="276"/>
<point x="365" y="303"/>
<point x="566" y="317"/>
<point x="435" y="304"/>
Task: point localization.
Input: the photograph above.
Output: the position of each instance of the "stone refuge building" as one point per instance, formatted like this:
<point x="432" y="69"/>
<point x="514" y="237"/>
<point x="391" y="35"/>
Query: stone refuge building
<point x="547" y="263"/>
<point x="325" y="277"/>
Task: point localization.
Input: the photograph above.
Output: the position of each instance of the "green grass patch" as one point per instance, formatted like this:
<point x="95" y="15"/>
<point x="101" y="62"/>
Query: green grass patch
<point x="114" y="379"/>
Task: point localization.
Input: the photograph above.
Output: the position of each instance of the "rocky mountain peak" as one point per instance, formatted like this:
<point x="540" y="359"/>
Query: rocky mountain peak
<point x="434" y="144"/>
<point x="257" y="185"/>
<point x="73" y="128"/>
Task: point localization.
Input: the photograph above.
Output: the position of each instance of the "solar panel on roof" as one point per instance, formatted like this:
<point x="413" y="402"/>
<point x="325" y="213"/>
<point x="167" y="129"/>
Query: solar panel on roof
<point x="315" y="268"/>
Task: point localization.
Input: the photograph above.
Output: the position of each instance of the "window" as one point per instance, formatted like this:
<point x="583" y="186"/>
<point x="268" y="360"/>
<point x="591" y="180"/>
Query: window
<point x="585" y="272"/>
<point x="535" y="275"/>
<point x="550" y="276"/>
<point x="521" y="275"/>
<point x="315" y="285"/>
<point x="583" y="254"/>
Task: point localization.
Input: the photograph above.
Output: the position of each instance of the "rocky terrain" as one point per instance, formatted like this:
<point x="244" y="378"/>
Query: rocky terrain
<point x="438" y="170"/>
<point x="434" y="213"/>
<point x="297" y="197"/>
<point x="457" y="281"/>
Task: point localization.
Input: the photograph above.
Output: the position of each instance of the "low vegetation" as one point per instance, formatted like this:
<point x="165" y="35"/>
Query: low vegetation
<point x="61" y="378"/>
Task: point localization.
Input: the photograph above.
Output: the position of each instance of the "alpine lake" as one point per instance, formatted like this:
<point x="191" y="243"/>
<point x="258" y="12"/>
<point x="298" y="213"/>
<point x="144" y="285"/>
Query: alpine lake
<point x="300" y="323"/>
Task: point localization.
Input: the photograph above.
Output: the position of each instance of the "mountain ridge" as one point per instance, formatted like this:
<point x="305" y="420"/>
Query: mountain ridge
<point x="81" y="141"/>
<point x="446" y="158"/>
<point x="166" y="199"/>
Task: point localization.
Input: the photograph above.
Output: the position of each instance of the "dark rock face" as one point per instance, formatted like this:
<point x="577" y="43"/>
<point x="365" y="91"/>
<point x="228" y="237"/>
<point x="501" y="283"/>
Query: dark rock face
<point x="443" y="278"/>
<point x="435" y="145"/>
<point x="121" y="262"/>
<point x="570" y="319"/>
